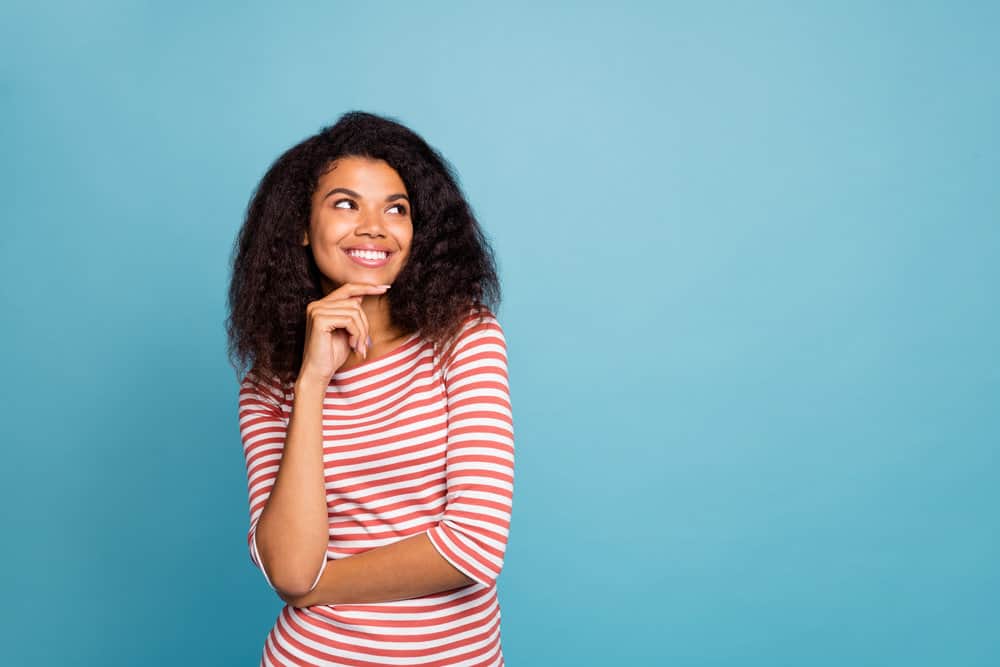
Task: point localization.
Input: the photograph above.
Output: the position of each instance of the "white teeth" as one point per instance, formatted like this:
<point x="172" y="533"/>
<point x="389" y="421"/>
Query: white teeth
<point x="368" y="254"/>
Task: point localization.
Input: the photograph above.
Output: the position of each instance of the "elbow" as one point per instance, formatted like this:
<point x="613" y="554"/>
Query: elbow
<point x="488" y="576"/>
<point x="487" y="579"/>
<point x="285" y="583"/>
<point x="289" y="577"/>
<point x="485" y="576"/>
<point x="297" y="579"/>
<point x="295" y="590"/>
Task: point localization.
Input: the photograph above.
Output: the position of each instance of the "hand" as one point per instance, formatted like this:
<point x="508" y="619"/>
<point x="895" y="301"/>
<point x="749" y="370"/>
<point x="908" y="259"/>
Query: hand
<point x="335" y="324"/>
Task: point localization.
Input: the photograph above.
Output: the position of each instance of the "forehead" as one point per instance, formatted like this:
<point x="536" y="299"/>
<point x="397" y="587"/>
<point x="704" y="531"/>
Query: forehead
<point x="361" y="174"/>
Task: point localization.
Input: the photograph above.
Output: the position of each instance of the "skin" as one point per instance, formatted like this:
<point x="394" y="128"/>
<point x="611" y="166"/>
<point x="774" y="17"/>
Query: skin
<point x="295" y="520"/>
<point x="379" y="214"/>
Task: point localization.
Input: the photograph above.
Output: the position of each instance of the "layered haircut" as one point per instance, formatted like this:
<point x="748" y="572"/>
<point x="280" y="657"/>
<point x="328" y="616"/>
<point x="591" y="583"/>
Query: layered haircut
<point x="449" y="274"/>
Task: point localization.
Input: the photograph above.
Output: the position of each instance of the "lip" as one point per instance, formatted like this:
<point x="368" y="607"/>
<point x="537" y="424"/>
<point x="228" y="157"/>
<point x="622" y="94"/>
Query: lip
<point x="368" y="263"/>
<point x="367" y="246"/>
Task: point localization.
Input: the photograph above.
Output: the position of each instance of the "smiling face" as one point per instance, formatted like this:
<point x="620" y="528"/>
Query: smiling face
<point x="359" y="226"/>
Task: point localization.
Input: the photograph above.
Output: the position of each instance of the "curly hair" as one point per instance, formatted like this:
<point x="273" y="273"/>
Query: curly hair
<point x="450" y="271"/>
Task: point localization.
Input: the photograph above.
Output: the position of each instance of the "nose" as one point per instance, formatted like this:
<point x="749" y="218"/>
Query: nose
<point x="370" y="222"/>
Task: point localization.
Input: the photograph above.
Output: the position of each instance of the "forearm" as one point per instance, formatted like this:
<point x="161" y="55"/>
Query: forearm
<point x="405" y="569"/>
<point x="293" y="530"/>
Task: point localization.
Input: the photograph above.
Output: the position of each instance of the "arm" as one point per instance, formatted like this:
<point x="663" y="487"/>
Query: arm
<point x="405" y="569"/>
<point x="467" y="545"/>
<point x="289" y="527"/>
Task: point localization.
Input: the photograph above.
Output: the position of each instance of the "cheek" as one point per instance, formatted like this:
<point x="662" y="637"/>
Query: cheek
<point x="407" y="237"/>
<point x="324" y="247"/>
<point x="326" y="235"/>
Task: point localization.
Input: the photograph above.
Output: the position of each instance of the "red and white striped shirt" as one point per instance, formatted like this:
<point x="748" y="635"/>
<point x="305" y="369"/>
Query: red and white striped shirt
<point x="411" y="444"/>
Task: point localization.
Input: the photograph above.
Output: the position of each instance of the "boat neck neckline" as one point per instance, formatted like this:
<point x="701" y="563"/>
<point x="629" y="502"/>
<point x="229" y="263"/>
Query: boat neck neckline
<point x="369" y="363"/>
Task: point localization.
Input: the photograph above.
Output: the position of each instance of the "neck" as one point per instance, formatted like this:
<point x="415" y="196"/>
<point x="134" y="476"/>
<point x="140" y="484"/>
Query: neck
<point x="376" y="307"/>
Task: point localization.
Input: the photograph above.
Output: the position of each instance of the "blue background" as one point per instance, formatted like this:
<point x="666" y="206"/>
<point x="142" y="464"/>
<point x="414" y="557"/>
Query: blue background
<point x="750" y="263"/>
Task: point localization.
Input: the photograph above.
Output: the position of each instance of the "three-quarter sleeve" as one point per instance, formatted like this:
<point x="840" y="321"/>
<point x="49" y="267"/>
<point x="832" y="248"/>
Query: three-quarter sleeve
<point x="472" y="533"/>
<point x="263" y="427"/>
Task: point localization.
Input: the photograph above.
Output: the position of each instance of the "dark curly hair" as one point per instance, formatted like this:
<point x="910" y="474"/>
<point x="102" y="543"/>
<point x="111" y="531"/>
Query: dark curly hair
<point x="449" y="273"/>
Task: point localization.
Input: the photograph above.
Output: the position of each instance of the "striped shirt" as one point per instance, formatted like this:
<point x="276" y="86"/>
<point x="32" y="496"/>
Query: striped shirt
<point x="411" y="443"/>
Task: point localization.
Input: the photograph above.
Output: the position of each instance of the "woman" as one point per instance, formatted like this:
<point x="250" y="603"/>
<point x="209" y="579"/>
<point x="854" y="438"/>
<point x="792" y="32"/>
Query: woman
<point x="375" y="415"/>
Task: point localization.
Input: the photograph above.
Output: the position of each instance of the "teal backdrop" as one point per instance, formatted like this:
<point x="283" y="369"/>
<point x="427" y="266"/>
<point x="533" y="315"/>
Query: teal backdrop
<point x="749" y="254"/>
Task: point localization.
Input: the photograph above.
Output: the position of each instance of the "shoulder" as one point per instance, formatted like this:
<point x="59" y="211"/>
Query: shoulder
<point x="261" y="386"/>
<point x="480" y="335"/>
<point x="479" y="324"/>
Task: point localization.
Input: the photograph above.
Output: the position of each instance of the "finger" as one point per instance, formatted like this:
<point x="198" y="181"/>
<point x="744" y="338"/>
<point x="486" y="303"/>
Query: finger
<point x="358" y="313"/>
<point x="330" y="322"/>
<point x="354" y="303"/>
<point x="353" y="289"/>
<point x="350" y="308"/>
<point x="366" y="328"/>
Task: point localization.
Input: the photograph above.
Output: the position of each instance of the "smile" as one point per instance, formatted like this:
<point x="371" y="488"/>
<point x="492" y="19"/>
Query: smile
<point x="369" y="258"/>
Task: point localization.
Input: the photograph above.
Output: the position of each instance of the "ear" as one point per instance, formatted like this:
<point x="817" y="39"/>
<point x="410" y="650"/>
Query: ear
<point x="305" y="238"/>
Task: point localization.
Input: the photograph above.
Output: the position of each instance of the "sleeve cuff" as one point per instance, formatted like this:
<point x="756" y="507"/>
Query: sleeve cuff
<point x="443" y="540"/>
<point x="257" y="561"/>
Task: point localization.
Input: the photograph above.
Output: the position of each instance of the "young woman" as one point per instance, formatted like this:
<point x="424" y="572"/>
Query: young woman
<point x="374" y="406"/>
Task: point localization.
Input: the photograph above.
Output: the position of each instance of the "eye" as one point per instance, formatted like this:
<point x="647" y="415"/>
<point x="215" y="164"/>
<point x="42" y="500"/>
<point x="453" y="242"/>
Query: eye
<point x="337" y="203"/>
<point x="402" y="209"/>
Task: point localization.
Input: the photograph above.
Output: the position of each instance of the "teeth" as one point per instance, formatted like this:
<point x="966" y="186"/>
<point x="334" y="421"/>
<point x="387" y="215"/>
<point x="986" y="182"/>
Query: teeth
<point x="368" y="254"/>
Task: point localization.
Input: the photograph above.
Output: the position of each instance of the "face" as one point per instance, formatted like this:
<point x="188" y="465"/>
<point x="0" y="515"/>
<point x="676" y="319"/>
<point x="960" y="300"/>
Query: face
<point x="359" y="227"/>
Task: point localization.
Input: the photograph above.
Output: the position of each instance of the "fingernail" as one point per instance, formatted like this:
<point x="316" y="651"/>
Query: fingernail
<point x="385" y="286"/>
<point x="369" y="342"/>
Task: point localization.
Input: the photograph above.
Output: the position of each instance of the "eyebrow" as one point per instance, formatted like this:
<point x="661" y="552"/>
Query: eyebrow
<point x="398" y="195"/>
